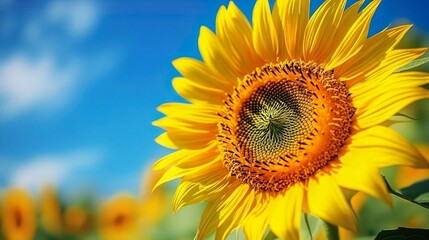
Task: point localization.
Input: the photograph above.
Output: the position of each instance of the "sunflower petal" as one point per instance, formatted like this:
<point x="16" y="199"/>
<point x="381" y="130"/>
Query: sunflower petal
<point x="373" y="52"/>
<point x="230" y="206"/>
<point x="165" y="141"/>
<point x="378" y="100"/>
<point x="186" y="138"/>
<point x="200" y="186"/>
<point x="282" y="52"/>
<point x="320" y="30"/>
<point x="362" y="175"/>
<point x="232" y="217"/>
<point x="385" y="147"/>
<point x="355" y="37"/>
<point x="215" y="56"/>
<point x="235" y="36"/>
<point x="255" y="225"/>
<point x="195" y="93"/>
<point x="191" y="113"/>
<point x="178" y="171"/>
<point x="326" y="200"/>
<point x="264" y="32"/>
<point x="393" y="60"/>
<point x="386" y="105"/>
<point x="285" y="220"/>
<point x="201" y="75"/>
<point x="294" y="16"/>
<point x="186" y="158"/>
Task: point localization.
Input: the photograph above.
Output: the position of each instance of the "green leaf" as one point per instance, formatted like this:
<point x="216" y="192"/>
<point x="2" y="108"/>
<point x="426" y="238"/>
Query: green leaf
<point x="411" y="192"/>
<point x="416" y="189"/>
<point x="331" y="231"/>
<point x="271" y="236"/>
<point x="307" y="224"/>
<point x="403" y="234"/>
<point x="413" y="64"/>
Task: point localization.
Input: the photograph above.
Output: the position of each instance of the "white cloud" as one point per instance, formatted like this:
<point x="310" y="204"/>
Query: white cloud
<point x="78" y="16"/>
<point x="42" y="71"/>
<point x="31" y="83"/>
<point x="52" y="169"/>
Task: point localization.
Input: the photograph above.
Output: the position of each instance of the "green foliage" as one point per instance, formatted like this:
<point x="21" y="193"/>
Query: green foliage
<point x="271" y="236"/>
<point x="412" y="192"/>
<point x="413" y="64"/>
<point x="403" y="234"/>
<point x="417" y="189"/>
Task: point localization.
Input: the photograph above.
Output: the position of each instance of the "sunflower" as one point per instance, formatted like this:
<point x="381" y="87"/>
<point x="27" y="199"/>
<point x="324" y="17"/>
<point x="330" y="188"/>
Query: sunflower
<point x="18" y="215"/>
<point x="77" y="220"/>
<point x="152" y="203"/>
<point x="51" y="213"/>
<point x="118" y="218"/>
<point x="287" y="114"/>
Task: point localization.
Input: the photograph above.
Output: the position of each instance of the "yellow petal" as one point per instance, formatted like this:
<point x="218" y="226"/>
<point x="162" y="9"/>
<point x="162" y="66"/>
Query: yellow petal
<point x="394" y="59"/>
<point x="191" y="113"/>
<point x="378" y="99"/>
<point x="355" y="37"/>
<point x="285" y="217"/>
<point x="264" y="32"/>
<point x="398" y="80"/>
<point x="235" y="36"/>
<point x="294" y="16"/>
<point x="200" y="186"/>
<point x="188" y="158"/>
<point x="282" y="52"/>
<point x="215" y="56"/>
<point x="357" y="172"/>
<point x="320" y="31"/>
<point x="165" y="141"/>
<point x="255" y="225"/>
<point x="326" y="200"/>
<point x="180" y="171"/>
<point x="186" y="138"/>
<point x="201" y="75"/>
<point x="195" y="93"/>
<point x="170" y="159"/>
<point x="385" y="105"/>
<point x="233" y="214"/>
<point x="385" y="147"/>
<point x="230" y="207"/>
<point x="372" y="53"/>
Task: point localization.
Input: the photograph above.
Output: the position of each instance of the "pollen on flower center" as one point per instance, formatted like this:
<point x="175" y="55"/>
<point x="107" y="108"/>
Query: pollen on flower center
<point x="283" y="123"/>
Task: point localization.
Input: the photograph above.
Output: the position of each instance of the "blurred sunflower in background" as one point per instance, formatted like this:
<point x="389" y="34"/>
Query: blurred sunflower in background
<point x="77" y="220"/>
<point x="18" y="215"/>
<point x="51" y="212"/>
<point x="152" y="204"/>
<point x="286" y="115"/>
<point x="119" y="218"/>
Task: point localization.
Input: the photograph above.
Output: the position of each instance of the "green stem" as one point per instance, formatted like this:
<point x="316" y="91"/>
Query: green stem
<point x="331" y="231"/>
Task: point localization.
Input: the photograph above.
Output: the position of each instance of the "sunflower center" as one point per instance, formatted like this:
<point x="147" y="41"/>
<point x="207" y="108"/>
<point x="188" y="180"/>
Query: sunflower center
<point x="119" y="220"/>
<point x="17" y="217"/>
<point x="283" y="123"/>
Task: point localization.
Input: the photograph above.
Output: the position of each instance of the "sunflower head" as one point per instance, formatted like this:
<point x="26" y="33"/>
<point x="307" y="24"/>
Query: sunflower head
<point x="77" y="220"/>
<point x="286" y="114"/>
<point x="51" y="212"/>
<point x="283" y="123"/>
<point x="118" y="218"/>
<point x="18" y="215"/>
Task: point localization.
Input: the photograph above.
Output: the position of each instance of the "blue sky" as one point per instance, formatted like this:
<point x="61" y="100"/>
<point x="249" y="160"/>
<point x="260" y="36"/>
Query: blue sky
<point x="80" y="82"/>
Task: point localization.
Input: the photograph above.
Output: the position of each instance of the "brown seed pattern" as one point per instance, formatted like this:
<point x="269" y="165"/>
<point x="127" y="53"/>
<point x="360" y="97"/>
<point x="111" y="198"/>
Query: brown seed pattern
<point x="283" y="123"/>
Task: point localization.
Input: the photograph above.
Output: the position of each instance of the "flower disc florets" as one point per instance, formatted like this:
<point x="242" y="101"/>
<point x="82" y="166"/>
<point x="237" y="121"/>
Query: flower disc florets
<point x="283" y="123"/>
